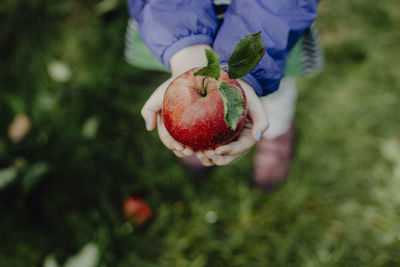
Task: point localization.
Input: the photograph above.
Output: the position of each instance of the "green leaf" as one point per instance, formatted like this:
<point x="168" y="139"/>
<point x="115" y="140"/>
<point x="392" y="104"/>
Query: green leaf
<point x="33" y="175"/>
<point x="233" y="104"/>
<point x="212" y="69"/>
<point x="88" y="256"/>
<point x="50" y="261"/>
<point x="7" y="176"/>
<point x="90" y="128"/>
<point x="247" y="53"/>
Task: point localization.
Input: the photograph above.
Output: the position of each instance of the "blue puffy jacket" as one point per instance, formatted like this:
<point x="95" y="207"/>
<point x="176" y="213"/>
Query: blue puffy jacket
<point x="167" y="26"/>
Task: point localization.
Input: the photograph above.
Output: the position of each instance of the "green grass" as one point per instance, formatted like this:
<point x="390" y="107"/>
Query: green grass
<point x="340" y="206"/>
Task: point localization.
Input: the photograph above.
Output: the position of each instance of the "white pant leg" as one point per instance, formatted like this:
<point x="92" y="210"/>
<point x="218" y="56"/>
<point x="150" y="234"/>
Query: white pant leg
<point x="280" y="107"/>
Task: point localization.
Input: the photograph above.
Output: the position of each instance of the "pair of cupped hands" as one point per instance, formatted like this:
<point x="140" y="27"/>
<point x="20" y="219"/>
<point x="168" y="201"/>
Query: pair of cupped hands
<point x="256" y="122"/>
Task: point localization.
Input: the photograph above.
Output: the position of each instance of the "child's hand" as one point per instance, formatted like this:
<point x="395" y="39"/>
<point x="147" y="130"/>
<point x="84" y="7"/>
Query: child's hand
<point x="256" y="124"/>
<point x="252" y="131"/>
<point x="151" y="113"/>
<point x="185" y="59"/>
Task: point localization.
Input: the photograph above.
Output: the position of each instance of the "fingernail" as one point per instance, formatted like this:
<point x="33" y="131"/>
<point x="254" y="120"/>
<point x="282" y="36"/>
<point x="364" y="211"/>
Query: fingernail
<point x="213" y="156"/>
<point x="200" y="157"/>
<point x="147" y="124"/>
<point x="258" y="135"/>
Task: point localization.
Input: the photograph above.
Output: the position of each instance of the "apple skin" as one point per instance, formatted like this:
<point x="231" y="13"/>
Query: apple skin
<point x="198" y="121"/>
<point x="136" y="210"/>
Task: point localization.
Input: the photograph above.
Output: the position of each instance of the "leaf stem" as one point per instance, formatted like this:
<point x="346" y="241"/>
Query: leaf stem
<point x="203" y="90"/>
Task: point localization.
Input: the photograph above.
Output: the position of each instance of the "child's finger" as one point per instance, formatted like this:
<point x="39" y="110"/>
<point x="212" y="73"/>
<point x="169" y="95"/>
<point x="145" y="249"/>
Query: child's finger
<point x="187" y="152"/>
<point x="153" y="106"/>
<point x="178" y="154"/>
<point x="256" y="112"/>
<point x="204" y="159"/>
<point x="225" y="160"/>
<point x="166" y="138"/>
<point x="210" y="154"/>
<point x="244" y="143"/>
<point x="149" y="112"/>
<point x="220" y="159"/>
<point x="150" y="117"/>
<point x="260" y="121"/>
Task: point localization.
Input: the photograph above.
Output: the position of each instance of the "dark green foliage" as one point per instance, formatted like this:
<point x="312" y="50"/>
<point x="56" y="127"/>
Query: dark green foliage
<point x="233" y="104"/>
<point x="247" y="53"/>
<point x="88" y="149"/>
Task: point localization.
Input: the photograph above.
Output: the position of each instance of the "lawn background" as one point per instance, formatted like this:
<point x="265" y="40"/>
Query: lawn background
<point x="62" y="186"/>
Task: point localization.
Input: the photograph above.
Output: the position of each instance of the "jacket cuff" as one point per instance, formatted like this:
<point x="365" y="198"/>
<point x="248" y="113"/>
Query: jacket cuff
<point x="182" y="43"/>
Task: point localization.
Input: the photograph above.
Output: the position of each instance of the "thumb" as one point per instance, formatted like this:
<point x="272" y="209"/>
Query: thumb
<point x="256" y="112"/>
<point x="149" y="113"/>
<point x="153" y="106"/>
<point x="259" y="119"/>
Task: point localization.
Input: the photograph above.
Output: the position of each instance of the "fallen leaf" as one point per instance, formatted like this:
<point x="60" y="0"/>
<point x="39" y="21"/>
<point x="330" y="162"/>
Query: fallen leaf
<point x="19" y="127"/>
<point x="59" y="71"/>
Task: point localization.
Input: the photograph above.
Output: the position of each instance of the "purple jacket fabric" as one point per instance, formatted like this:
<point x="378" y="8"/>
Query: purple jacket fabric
<point x="167" y="26"/>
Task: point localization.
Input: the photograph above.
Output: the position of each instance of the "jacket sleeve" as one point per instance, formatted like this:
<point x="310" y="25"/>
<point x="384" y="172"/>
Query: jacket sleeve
<point x="281" y="23"/>
<point x="168" y="26"/>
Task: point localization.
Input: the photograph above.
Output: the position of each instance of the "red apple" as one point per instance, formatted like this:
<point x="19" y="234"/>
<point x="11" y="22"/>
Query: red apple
<point x="137" y="210"/>
<point x="196" y="119"/>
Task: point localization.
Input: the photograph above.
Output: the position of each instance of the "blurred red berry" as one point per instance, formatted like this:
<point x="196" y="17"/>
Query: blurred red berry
<point x="137" y="210"/>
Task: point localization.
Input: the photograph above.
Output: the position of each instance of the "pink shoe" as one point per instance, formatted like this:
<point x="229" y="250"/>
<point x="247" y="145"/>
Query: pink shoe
<point x="272" y="161"/>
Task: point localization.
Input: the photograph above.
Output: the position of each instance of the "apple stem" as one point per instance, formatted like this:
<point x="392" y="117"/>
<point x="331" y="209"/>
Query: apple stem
<point x="203" y="91"/>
